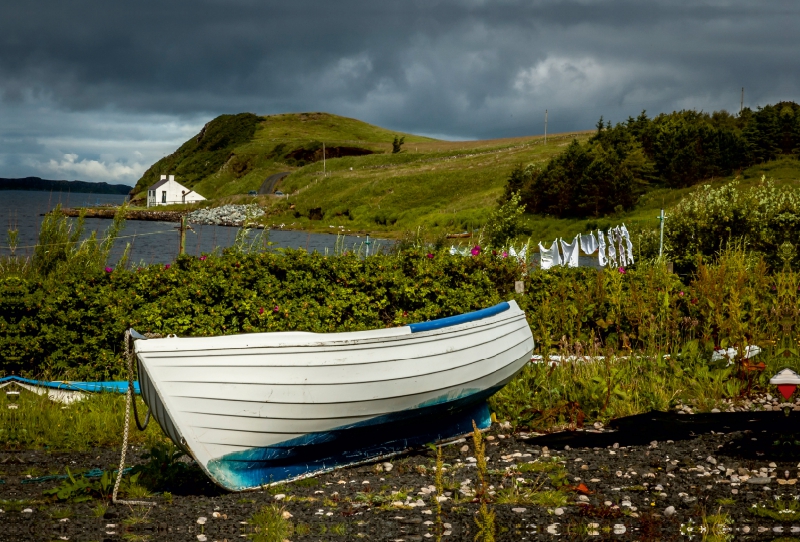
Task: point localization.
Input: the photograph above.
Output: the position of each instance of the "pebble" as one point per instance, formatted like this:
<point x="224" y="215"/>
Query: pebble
<point x="279" y="497"/>
<point x="465" y="448"/>
<point x="558" y="511"/>
<point x="27" y="511"/>
<point x="759" y="480"/>
<point x="202" y="538"/>
<point x="669" y="510"/>
<point x="201" y="520"/>
<point x="519" y="510"/>
<point x="388" y="467"/>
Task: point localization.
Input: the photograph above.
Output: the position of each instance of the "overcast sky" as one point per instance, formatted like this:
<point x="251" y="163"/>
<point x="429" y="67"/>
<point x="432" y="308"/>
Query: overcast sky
<point x="99" y="90"/>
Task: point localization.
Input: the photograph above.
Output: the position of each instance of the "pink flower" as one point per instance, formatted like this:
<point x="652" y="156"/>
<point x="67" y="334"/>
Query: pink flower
<point x="261" y="310"/>
<point x="430" y="256"/>
<point x="167" y="266"/>
<point x="203" y="258"/>
<point x="276" y="309"/>
<point x="505" y="254"/>
<point x="476" y="250"/>
<point x="622" y="270"/>
<point x="681" y="294"/>
<point x="109" y="270"/>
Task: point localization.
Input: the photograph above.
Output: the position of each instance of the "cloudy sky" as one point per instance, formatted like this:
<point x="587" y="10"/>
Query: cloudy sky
<point x="98" y="90"/>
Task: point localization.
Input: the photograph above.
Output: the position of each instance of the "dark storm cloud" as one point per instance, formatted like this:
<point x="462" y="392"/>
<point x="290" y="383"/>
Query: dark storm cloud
<point x="457" y="68"/>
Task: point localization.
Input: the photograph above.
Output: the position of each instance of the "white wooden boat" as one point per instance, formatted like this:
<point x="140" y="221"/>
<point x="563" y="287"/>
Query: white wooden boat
<point x="260" y="408"/>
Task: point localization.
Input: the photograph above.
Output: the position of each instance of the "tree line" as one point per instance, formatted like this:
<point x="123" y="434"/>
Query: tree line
<point x="617" y="164"/>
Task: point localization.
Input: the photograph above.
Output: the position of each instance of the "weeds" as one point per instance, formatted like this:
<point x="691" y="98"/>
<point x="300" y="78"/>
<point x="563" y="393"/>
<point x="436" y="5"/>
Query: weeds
<point x="271" y="524"/>
<point x="94" y="421"/>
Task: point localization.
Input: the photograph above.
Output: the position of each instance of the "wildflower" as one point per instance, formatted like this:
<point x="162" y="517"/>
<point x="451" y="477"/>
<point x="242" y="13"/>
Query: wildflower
<point x="405" y="314"/>
<point x="261" y="310"/>
<point x="494" y="253"/>
<point x="276" y="309"/>
<point x="203" y="258"/>
<point x="681" y="294"/>
<point x="430" y="256"/>
<point x="167" y="266"/>
<point x="109" y="270"/>
<point x="505" y="254"/>
<point x="622" y="270"/>
<point x="694" y="301"/>
<point x="475" y="250"/>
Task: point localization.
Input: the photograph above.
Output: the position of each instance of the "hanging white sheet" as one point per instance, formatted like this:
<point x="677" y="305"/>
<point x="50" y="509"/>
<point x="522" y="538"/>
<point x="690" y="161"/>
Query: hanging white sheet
<point x="628" y="244"/>
<point x="612" y="251"/>
<point x="601" y="248"/>
<point x="588" y="243"/>
<point x="549" y="256"/>
<point x="571" y="251"/>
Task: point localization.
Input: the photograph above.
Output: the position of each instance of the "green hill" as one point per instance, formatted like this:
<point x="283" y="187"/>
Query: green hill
<point x="445" y="186"/>
<point x="233" y="154"/>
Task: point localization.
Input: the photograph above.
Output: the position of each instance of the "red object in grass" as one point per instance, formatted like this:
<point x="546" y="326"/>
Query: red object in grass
<point x="786" y="390"/>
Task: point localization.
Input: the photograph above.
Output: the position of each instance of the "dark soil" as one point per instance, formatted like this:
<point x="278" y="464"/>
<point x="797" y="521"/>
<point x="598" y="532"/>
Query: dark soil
<point x="652" y="476"/>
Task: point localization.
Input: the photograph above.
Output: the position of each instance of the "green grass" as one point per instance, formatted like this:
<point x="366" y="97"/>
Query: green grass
<point x="96" y="420"/>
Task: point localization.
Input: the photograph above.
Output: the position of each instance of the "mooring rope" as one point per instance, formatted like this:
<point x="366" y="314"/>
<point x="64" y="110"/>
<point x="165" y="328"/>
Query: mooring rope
<point x="129" y="398"/>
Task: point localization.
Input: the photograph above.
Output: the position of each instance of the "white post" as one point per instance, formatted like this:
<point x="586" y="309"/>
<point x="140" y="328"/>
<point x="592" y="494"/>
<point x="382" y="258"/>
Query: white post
<point x="661" y="218"/>
<point x="545" y="126"/>
<point x="367" y="244"/>
<point x="323" y="158"/>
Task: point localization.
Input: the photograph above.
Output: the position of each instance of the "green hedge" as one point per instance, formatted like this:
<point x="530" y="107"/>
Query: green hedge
<point x="71" y="325"/>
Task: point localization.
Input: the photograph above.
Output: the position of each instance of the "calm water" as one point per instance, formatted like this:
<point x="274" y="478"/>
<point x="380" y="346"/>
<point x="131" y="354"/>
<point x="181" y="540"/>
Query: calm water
<point x="151" y="242"/>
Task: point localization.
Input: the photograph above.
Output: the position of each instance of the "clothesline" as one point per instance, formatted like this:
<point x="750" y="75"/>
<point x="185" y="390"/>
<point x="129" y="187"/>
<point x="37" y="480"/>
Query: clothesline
<point x="617" y="251"/>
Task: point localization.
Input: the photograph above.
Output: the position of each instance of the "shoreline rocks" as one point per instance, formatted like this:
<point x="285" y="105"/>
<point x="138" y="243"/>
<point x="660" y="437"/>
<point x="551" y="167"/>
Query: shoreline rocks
<point x="226" y="215"/>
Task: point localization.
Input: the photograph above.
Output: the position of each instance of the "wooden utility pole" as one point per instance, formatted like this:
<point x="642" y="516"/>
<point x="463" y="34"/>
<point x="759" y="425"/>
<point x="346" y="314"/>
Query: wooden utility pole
<point x="182" y="228"/>
<point x="741" y="103"/>
<point x="323" y="158"/>
<point x="545" y="126"/>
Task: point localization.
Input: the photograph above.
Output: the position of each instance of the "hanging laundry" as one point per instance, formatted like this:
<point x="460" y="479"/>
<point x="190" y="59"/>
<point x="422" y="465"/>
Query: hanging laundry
<point x="588" y="243"/>
<point x="628" y="245"/>
<point x="612" y="252"/>
<point x="601" y="248"/>
<point x="622" y="257"/>
<point x="549" y="256"/>
<point x="571" y="252"/>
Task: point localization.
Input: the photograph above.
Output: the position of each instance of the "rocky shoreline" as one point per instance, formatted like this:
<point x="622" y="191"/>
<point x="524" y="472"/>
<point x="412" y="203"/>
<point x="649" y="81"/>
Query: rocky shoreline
<point x="226" y="215"/>
<point x="733" y="474"/>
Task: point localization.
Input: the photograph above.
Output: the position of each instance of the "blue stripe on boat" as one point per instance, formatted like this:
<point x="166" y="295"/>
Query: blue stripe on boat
<point x="459" y="319"/>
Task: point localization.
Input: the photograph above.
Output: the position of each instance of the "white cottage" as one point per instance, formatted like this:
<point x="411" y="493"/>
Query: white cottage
<point x="167" y="191"/>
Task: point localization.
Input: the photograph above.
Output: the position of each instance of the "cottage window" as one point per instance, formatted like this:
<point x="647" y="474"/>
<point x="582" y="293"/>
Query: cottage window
<point x="163" y="196"/>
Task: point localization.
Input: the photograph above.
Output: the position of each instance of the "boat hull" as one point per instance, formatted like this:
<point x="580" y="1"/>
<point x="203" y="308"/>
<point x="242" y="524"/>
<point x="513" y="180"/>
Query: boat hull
<point x="269" y="407"/>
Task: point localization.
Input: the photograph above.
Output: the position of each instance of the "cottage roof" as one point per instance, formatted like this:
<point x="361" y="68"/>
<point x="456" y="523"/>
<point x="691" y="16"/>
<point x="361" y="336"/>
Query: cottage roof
<point x="159" y="183"/>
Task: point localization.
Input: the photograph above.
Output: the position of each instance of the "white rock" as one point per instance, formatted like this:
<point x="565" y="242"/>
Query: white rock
<point x="519" y="510"/>
<point x="388" y="467"/>
<point x="669" y="510"/>
<point x="201" y="520"/>
<point x="202" y="538"/>
<point x="559" y="511"/>
<point x="279" y="497"/>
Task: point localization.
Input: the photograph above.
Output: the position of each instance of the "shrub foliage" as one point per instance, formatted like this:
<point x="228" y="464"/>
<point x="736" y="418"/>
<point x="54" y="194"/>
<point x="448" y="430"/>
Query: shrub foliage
<point x="677" y="150"/>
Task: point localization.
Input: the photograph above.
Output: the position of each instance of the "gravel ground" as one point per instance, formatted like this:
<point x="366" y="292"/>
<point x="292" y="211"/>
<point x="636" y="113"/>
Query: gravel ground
<point x="647" y="477"/>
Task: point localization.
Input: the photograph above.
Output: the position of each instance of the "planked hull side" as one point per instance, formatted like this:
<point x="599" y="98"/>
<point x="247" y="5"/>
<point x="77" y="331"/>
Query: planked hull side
<point x="279" y="406"/>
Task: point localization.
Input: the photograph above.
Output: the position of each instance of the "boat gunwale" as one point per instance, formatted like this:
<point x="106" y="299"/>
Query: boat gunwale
<point x="355" y="344"/>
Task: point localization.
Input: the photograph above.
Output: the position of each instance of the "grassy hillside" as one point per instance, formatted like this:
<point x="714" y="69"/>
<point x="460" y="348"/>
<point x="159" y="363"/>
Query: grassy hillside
<point x="442" y="186"/>
<point x="233" y="154"/>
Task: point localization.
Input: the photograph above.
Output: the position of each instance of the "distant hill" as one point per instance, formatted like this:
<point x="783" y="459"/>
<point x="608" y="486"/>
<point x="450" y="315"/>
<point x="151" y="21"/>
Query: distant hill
<point x="37" y="184"/>
<point x="234" y="154"/>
